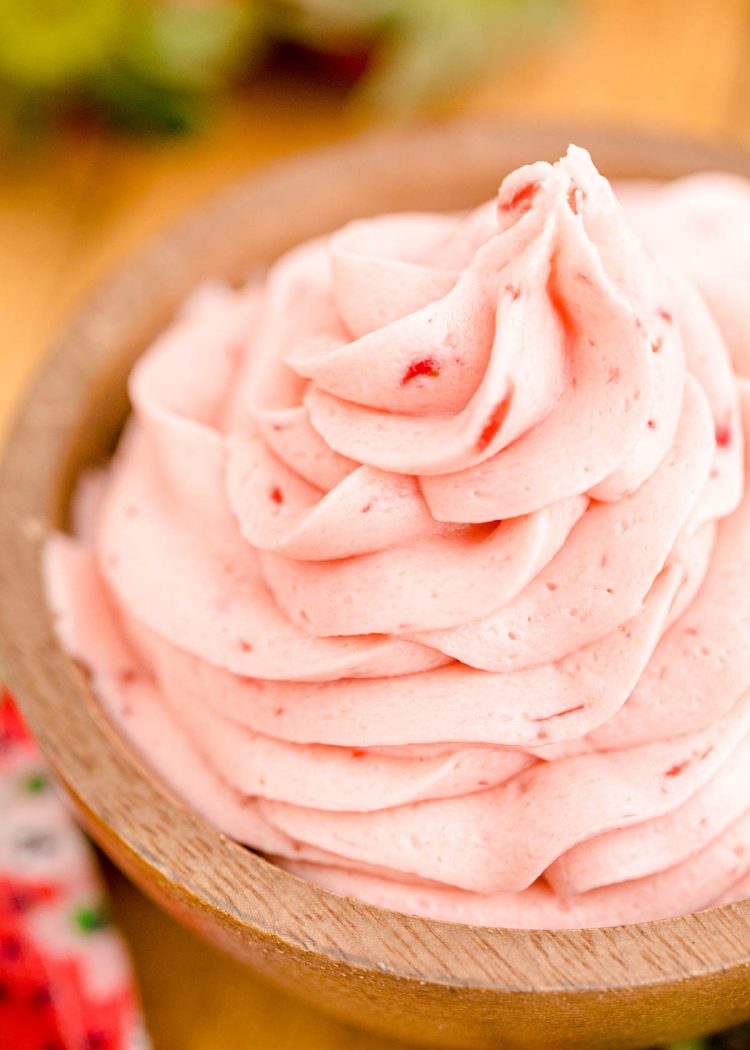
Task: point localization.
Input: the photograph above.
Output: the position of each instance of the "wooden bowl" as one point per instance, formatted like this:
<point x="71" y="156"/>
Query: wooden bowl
<point x="440" y="984"/>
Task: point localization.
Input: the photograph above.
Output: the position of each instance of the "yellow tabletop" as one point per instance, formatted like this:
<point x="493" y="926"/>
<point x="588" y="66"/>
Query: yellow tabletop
<point x="73" y="207"/>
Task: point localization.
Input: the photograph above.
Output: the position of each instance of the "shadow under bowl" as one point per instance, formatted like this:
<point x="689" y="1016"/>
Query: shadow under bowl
<point x="436" y="983"/>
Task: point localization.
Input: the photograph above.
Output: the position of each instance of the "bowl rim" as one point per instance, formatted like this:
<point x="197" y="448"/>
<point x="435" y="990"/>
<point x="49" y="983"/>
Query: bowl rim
<point x="121" y="802"/>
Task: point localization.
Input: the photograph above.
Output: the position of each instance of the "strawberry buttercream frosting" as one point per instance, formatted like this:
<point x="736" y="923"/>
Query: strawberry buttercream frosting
<point x="423" y="565"/>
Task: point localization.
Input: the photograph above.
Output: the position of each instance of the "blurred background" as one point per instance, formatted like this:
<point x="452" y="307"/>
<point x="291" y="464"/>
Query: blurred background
<point x="116" y="115"/>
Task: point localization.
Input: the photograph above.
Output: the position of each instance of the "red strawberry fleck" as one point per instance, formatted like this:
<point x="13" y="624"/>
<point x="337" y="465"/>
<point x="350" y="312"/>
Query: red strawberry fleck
<point x="513" y="291"/>
<point x="723" y="435"/>
<point x="358" y="752"/>
<point x="665" y="315"/>
<point x="560" y="714"/>
<point x="522" y="199"/>
<point x="678" y="768"/>
<point x="563" y="313"/>
<point x="495" y="421"/>
<point x="426" y="367"/>
<point x="657" y="345"/>
<point x="245" y="646"/>
<point x="574" y="195"/>
<point x="276" y="494"/>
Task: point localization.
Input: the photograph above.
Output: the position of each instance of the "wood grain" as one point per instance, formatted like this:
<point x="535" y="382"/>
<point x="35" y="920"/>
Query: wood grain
<point x="77" y="205"/>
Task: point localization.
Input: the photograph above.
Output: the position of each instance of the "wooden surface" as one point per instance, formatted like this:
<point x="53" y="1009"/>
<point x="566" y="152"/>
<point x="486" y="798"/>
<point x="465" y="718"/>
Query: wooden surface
<point x="74" y="207"/>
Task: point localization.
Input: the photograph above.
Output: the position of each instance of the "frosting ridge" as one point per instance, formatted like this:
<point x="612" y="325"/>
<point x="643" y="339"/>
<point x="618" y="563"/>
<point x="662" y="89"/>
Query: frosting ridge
<point x="422" y="564"/>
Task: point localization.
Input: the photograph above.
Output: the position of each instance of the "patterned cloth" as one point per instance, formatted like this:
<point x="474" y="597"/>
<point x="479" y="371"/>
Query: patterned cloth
<point x="65" y="978"/>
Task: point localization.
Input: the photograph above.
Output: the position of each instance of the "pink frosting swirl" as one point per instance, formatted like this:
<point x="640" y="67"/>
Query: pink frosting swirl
<point x="423" y="564"/>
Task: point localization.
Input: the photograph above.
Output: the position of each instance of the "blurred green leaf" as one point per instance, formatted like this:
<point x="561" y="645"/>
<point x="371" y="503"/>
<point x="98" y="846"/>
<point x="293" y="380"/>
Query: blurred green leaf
<point x="51" y="44"/>
<point x="441" y="44"/>
<point x="733" y="1039"/>
<point x="192" y="46"/>
<point x="146" y="64"/>
<point x="136" y="105"/>
<point x="422" y="48"/>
